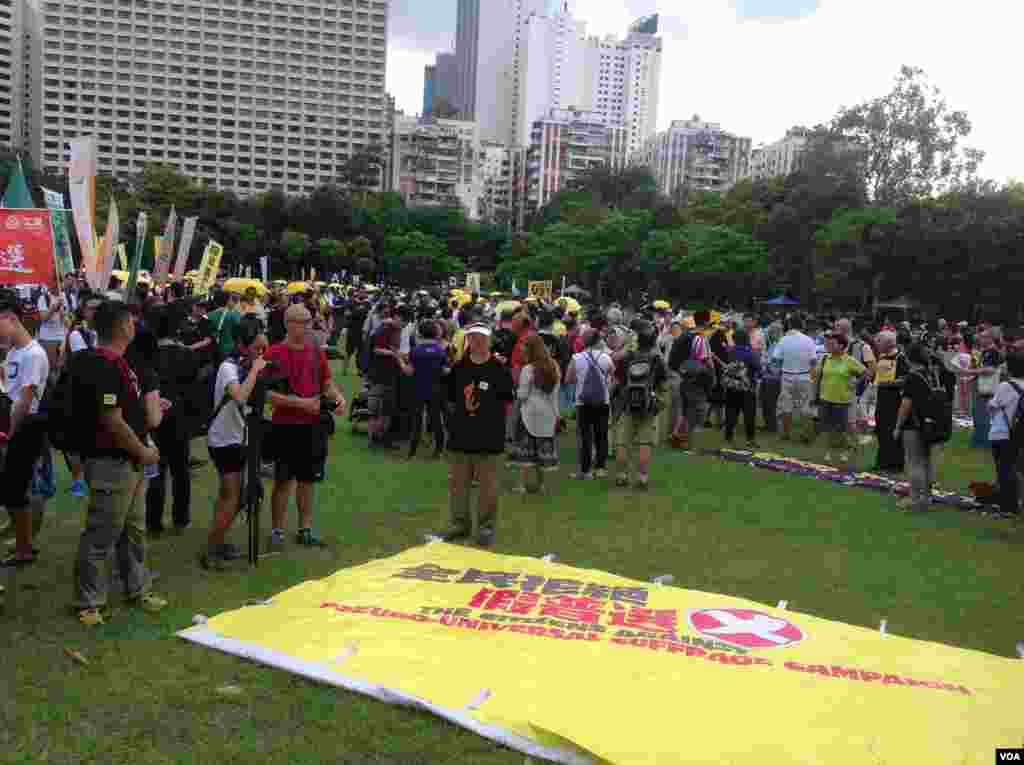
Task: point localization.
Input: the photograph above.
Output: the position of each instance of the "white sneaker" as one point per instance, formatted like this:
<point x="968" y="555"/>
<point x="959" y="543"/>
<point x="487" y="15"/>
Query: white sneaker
<point x="581" y="476"/>
<point x="600" y="474"/>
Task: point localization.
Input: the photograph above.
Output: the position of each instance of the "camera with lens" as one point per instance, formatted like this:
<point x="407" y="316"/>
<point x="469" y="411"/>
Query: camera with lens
<point x="327" y="408"/>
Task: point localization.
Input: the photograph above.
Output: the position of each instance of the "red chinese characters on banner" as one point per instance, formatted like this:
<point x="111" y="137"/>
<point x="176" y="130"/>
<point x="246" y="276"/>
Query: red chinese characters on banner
<point x="26" y="247"/>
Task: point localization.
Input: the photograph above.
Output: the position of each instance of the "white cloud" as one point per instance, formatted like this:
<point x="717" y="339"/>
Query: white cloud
<point x="759" y="78"/>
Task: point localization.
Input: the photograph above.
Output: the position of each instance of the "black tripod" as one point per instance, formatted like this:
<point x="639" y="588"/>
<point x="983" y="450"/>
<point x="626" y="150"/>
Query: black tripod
<point x="252" y="481"/>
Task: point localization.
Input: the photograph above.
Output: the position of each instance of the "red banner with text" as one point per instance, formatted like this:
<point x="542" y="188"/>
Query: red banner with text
<point x="26" y="247"/>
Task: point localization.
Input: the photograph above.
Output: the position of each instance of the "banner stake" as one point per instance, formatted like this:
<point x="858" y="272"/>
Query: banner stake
<point x="664" y="579"/>
<point x="882" y="626"/>
<point x="549" y="558"/>
<point x="1020" y="649"/>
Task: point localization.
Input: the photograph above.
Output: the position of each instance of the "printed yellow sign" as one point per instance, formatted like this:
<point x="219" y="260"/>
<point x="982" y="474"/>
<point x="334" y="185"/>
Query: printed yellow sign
<point x="540" y="290"/>
<point x="581" y="666"/>
<point x="209" y="268"/>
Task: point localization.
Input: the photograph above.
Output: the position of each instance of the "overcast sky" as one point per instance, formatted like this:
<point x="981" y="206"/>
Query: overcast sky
<point x="761" y="66"/>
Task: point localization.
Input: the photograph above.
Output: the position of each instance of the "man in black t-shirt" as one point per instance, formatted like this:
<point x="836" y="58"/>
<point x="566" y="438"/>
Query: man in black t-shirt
<point x="108" y="402"/>
<point x="480" y="390"/>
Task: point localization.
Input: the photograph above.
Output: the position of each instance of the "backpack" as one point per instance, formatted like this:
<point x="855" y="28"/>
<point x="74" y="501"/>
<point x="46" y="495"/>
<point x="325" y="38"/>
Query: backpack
<point x="56" y="407"/>
<point x="736" y="377"/>
<point x="1016" y="422"/>
<point x="595" y="389"/>
<point x="640" y="398"/>
<point x="936" y="419"/>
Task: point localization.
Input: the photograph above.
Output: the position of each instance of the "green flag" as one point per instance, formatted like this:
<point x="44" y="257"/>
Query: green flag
<point x="140" y="245"/>
<point x="17" y="197"/>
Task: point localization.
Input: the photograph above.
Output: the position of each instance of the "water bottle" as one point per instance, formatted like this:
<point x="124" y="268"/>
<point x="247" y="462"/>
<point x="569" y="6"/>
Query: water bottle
<point x="150" y="471"/>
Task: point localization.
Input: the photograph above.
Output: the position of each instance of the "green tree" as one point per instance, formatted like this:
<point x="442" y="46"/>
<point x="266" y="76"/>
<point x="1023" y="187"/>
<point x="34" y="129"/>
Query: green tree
<point x="414" y="259"/>
<point x="295" y="246"/>
<point x="909" y="141"/>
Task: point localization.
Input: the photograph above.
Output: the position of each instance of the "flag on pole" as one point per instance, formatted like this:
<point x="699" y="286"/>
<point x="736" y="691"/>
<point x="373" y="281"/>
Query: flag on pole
<point x="188" y="231"/>
<point x="209" y="269"/>
<point x="17" y="196"/>
<point x="122" y="256"/>
<point x="81" y="189"/>
<point x="106" y="252"/>
<point x="140" y="245"/>
<point x="61" y="238"/>
<point x="166" y="252"/>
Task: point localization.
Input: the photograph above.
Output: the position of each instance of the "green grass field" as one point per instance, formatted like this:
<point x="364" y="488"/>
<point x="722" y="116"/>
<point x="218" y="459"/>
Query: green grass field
<point x="147" y="697"/>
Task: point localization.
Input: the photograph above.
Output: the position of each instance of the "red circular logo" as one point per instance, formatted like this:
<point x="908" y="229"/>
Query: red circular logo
<point x="745" y="628"/>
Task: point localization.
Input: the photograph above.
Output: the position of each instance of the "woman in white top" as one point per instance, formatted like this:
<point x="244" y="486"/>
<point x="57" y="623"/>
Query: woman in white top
<point x="52" y="329"/>
<point x="1003" y="408"/>
<point x="236" y="379"/>
<point x="534" y="445"/>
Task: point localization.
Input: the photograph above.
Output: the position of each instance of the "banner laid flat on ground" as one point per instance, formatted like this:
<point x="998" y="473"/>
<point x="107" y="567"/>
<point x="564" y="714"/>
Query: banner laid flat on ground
<point x="581" y="666"/>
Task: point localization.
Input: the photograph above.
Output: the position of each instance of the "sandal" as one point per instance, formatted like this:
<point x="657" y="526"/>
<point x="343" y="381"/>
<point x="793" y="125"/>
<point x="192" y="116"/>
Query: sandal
<point x="13" y="561"/>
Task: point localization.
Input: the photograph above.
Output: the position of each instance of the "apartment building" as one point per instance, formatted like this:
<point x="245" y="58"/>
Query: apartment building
<point x="244" y="95"/>
<point x="694" y="155"/>
<point x="12" y="72"/>
<point x="780" y="158"/>
<point x="435" y="163"/>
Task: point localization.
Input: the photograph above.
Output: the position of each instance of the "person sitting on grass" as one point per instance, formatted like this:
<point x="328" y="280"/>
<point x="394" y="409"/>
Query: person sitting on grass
<point x="236" y="380"/>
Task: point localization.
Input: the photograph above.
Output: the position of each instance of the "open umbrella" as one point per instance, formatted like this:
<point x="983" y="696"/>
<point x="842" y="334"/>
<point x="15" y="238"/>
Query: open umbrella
<point x="570" y="304"/>
<point x="122" y="276"/>
<point x="576" y="290"/>
<point x="296" y="287"/>
<point x="662" y="305"/>
<point x="508" y="305"/>
<point x="782" y="300"/>
<point x="240" y="285"/>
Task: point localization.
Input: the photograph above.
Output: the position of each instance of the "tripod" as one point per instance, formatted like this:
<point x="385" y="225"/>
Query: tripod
<point x="251" y="497"/>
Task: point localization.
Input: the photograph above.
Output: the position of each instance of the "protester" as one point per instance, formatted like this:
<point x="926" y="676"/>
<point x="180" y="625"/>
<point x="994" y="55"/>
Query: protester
<point x="645" y="375"/>
<point x="534" y="445"/>
<point x="986" y="380"/>
<point x="797" y="353"/>
<point x="479" y="390"/>
<point x="26" y="372"/>
<point x="741" y="376"/>
<point x="299" y="435"/>
<point x="592" y="372"/>
<point x="223" y="322"/>
<point x="1007" y="418"/>
<point x="429" y="360"/>
<point x="52" y="331"/>
<point x="890" y="373"/>
<point x="110" y="412"/>
<point x="918" y="451"/>
<point x="690" y="358"/>
<point x="236" y="379"/>
<point x="385" y="370"/>
<point x="771" y="378"/>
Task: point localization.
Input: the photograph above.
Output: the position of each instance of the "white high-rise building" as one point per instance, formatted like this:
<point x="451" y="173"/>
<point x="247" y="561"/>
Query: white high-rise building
<point x="780" y="158"/>
<point x="694" y="155"/>
<point x="12" y="72"/>
<point x="246" y="95"/>
<point x="622" y="80"/>
<point x="489" y="52"/>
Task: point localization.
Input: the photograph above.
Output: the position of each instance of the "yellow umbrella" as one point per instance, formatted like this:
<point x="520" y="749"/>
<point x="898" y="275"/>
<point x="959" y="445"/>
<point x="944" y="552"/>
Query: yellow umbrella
<point x="371" y="288"/>
<point x="122" y="276"/>
<point x="662" y="305"/>
<point x="572" y="305"/>
<point x="508" y="305"/>
<point x="336" y="286"/>
<point x="296" y="287"/>
<point x="240" y="285"/>
<point x="496" y="294"/>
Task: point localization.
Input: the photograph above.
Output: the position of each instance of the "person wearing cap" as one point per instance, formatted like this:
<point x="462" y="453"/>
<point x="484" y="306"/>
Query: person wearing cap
<point x="299" y="436"/>
<point x="479" y="390"/>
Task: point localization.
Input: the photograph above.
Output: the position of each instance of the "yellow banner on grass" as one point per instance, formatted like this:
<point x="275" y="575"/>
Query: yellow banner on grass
<point x="582" y="666"/>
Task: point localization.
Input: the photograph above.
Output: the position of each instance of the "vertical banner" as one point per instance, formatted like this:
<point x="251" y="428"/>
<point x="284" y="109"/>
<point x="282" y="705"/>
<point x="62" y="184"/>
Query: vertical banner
<point x="122" y="257"/>
<point x="62" y="257"/>
<point x="265" y="269"/>
<point x="473" y="283"/>
<point x="157" y="244"/>
<point x="163" y="260"/>
<point x="188" y="231"/>
<point x="140" y="245"/>
<point x="26" y="247"/>
<point x="105" y="263"/>
<point x="82" y="189"/>
<point x="209" y="269"/>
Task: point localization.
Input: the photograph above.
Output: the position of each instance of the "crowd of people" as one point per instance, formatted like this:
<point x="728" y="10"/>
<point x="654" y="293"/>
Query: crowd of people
<point x="121" y="388"/>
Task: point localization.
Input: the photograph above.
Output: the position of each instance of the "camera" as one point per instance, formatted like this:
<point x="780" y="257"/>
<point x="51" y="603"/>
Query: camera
<point x="327" y="408"/>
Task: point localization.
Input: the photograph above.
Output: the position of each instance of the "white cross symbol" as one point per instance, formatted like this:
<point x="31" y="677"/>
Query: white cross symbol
<point x="764" y="627"/>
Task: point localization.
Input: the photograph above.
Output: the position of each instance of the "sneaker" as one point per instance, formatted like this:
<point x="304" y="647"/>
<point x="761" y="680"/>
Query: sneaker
<point x="213" y="560"/>
<point x="79" y="489"/>
<point x="641" y="483"/>
<point x="844" y="458"/>
<point x="828" y="456"/>
<point x="600" y="473"/>
<point x="275" y="543"/>
<point x="150" y="603"/>
<point x="307" y="538"/>
<point x="452" y="532"/>
<point x="519" y="490"/>
<point x="903" y="505"/>
<point x="229" y="551"/>
<point x="485" y="537"/>
<point x="622" y="481"/>
<point x="179" y="530"/>
<point x="581" y="476"/>
<point x="753" y="446"/>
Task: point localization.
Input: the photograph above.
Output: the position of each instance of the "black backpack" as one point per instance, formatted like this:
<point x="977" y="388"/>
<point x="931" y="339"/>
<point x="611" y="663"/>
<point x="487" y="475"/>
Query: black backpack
<point x="57" y="410"/>
<point x="640" y="398"/>
<point x="936" y="419"/>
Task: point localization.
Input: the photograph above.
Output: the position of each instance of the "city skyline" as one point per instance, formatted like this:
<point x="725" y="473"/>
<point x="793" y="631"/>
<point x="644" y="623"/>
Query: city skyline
<point x="770" y="88"/>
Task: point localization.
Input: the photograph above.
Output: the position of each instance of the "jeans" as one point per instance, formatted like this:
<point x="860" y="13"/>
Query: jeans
<point x="982" y="422"/>
<point x="592" y="433"/>
<point x="567" y="398"/>
<point x="464" y="468"/>
<point x="770" y="390"/>
<point x="174" y="458"/>
<point x="1005" y="455"/>
<point x="736" y="402"/>
<point x="922" y="472"/>
<point x="432" y="408"/>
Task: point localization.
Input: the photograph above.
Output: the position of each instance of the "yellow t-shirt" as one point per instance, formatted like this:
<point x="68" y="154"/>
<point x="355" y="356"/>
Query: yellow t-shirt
<point x="459" y="345"/>
<point x="836" y="376"/>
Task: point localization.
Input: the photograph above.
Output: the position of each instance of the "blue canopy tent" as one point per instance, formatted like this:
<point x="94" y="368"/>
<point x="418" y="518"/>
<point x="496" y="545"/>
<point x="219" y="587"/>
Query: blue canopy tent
<point x="782" y="300"/>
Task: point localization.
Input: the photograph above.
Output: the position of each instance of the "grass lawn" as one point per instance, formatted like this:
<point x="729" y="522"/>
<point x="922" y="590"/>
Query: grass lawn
<point x="147" y="697"/>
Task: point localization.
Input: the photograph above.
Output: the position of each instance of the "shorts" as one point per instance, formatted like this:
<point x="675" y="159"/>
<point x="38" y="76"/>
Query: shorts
<point x="636" y="430"/>
<point x="381" y="400"/>
<point x="228" y="459"/>
<point x="833" y="418"/>
<point x="694" y="406"/>
<point x="795" y="395"/>
<point x="300" y="453"/>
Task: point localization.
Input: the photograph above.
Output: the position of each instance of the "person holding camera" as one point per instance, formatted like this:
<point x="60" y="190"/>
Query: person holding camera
<point x="302" y="421"/>
<point x="236" y="379"/>
<point x="111" y="418"/>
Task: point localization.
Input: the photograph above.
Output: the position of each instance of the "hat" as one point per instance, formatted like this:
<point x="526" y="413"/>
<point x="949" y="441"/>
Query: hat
<point x="478" y="329"/>
<point x="297" y="312"/>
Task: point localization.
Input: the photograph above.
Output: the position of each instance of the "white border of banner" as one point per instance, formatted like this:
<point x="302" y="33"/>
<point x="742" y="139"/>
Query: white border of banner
<point x="325" y="674"/>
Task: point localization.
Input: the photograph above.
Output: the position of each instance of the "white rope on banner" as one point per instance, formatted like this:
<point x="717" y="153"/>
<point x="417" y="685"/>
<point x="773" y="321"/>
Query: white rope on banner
<point x="664" y="579"/>
<point x="883" y="625"/>
<point x="783" y="604"/>
<point x="477" y="702"/>
<point x="1020" y="649"/>
<point x="549" y="558"/>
